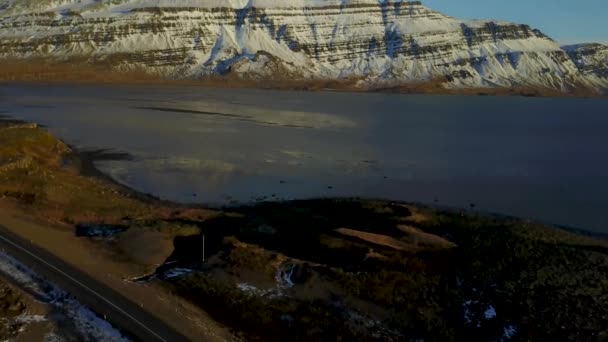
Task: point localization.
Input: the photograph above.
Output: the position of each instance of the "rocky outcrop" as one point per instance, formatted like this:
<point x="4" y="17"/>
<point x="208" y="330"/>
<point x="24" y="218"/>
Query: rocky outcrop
<point x="382" y="42"/>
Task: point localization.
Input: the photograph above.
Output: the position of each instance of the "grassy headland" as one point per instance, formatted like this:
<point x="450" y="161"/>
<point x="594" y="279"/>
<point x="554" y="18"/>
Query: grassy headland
<point x="330" y="269"/>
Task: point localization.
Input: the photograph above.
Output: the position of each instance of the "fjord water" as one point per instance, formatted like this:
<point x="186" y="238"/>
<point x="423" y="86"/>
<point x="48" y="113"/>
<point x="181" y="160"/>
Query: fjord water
<point x="538" y="158"/>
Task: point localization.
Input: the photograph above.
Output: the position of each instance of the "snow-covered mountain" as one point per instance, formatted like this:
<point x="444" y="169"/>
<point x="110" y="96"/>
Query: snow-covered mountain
<point x="382" y="42"/>
<point x="591" y="60"/>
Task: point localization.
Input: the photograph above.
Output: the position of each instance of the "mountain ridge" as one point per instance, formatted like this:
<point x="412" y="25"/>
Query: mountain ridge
<point x="379" y="43"/>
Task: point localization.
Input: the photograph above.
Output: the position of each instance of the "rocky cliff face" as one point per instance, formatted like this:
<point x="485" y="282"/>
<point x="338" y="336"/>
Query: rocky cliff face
<point x="591" y="60"/>
<point x="381" y="42"/>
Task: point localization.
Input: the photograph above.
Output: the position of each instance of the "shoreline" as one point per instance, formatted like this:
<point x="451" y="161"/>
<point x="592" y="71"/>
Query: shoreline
<point x="297" y="250"/>
<point x="85" y="163"/>
<point x="44" y="72"/>
<point x="304" y="86"/>
<point x="88" y="158"/>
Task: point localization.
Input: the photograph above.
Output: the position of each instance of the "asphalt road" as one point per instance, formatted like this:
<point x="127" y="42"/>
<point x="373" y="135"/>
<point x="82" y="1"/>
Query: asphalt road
<point x="127" y="316"/>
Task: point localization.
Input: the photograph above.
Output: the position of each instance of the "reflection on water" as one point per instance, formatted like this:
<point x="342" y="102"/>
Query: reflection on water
<point x="539" y="158"/>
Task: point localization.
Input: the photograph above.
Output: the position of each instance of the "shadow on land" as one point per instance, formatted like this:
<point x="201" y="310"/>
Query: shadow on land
<point x="295" y="229"/>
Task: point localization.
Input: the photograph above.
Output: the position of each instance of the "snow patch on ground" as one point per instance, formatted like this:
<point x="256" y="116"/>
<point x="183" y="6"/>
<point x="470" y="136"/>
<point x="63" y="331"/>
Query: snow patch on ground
<point x="176" y="272"/>
<point x="490" y="312"/>
<point x="471" y="312"/>
<point x="468" y="315"/>
<point x="52" y="337"/>
<point x="509" y="332"/>
<point x="90" y="326"/>
<point x="27" y="318"/>
<point x="378" y="329"/>
<point x="252" y="290"/>
<point x="283" y="277"/>
<point x="99" y="230"/>
<point x="283" y="282"/>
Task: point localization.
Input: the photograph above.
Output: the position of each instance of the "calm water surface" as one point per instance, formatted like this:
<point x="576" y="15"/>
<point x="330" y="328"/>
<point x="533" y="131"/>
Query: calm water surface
<point x="539" y="158"/>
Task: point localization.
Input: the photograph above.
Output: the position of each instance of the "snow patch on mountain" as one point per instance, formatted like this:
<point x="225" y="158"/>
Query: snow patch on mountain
<point x="380" y="42"/>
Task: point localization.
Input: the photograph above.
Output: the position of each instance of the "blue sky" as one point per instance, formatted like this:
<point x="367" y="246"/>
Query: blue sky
<point x="567" y="21"/>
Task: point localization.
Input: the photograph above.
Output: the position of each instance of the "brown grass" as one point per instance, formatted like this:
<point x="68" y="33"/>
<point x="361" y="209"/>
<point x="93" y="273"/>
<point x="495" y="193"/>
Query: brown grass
<point x="73" y="70"/>
<point x="377" y="239"/>
<point x="102" y="71"/>
<point x="413" y="240"/>
<point x="417" y="215"/>
<point x="112" y="71"/>
<point x="419" y="238"/>
<point x="249" y="256"/>
<point x="38" y="174"/>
